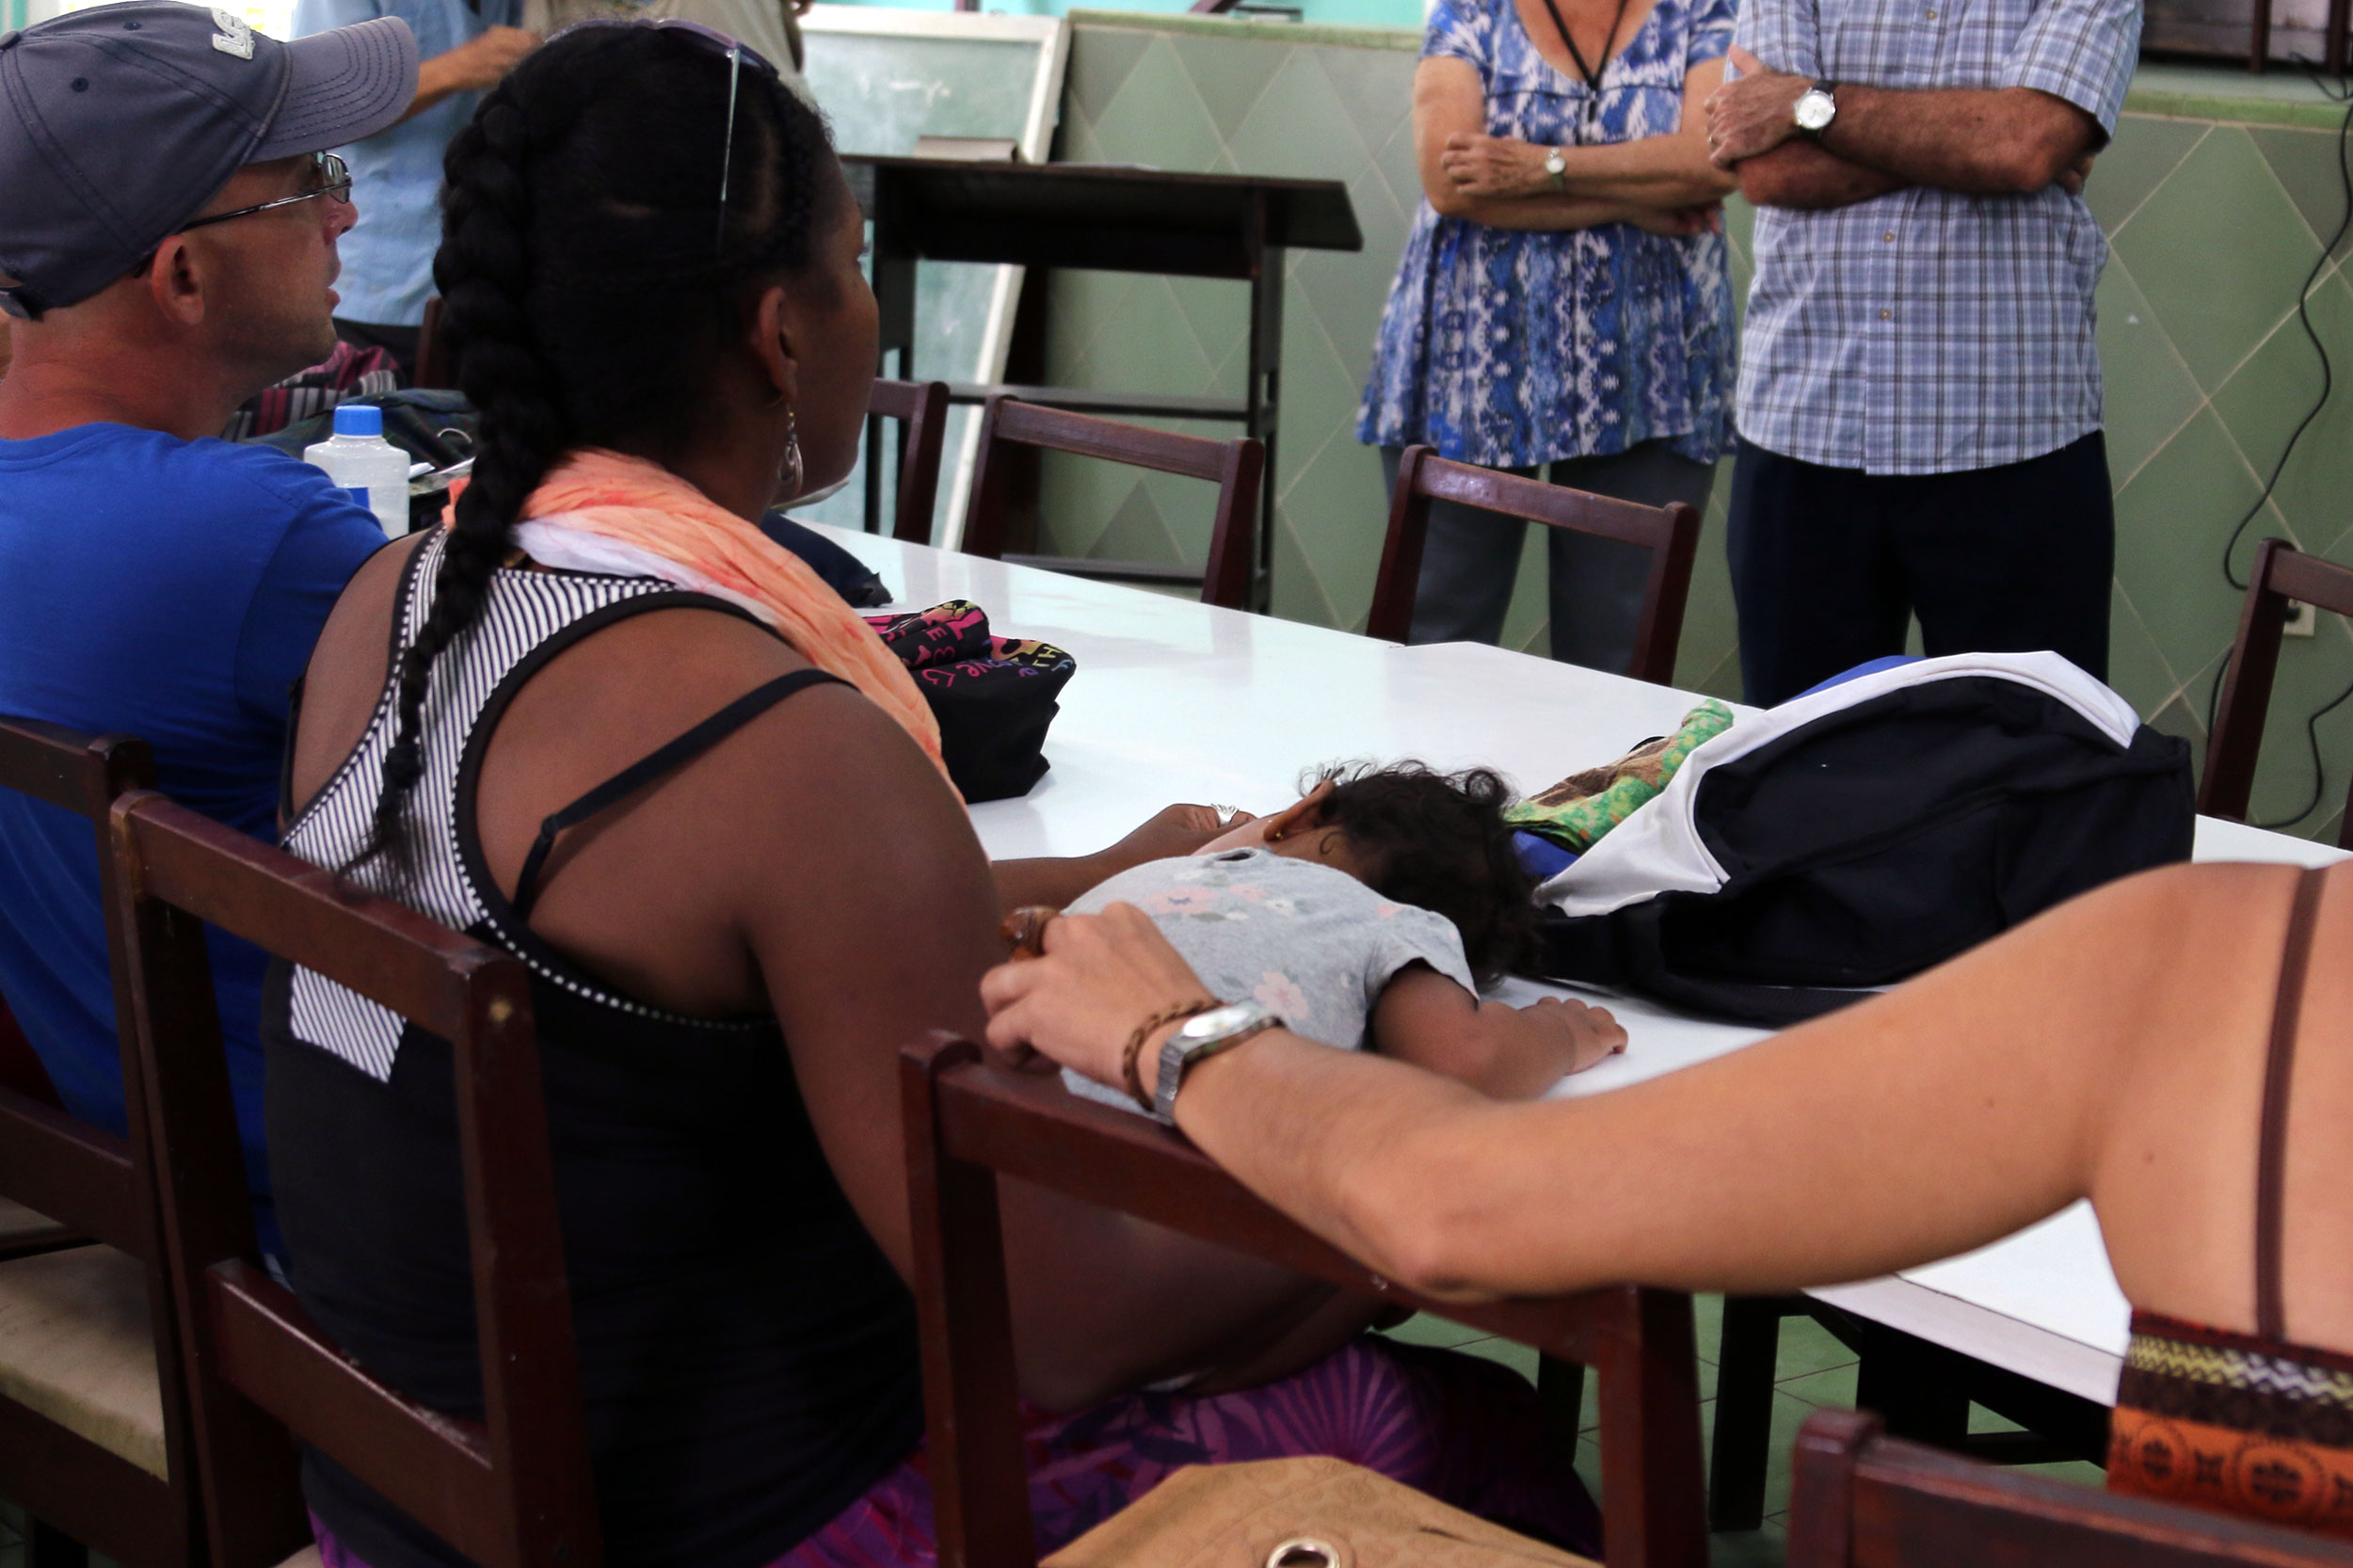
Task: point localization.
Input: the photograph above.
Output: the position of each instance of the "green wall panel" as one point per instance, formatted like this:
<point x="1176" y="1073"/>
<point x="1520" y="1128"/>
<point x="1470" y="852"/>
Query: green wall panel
<point x="2217" y="194"/>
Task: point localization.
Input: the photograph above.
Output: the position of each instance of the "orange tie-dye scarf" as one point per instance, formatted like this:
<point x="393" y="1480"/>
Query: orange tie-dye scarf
<point x="603" y="511"/>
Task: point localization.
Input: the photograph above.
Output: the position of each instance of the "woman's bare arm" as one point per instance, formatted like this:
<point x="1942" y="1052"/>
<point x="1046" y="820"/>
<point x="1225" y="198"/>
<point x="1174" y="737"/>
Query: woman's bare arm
<point x="2111" y="1047"/>
<point x="1672" y="170"/>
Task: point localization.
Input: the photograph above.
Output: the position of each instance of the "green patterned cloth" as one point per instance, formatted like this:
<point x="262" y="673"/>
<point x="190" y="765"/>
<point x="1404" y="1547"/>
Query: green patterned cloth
<point x="1578" y="811"/>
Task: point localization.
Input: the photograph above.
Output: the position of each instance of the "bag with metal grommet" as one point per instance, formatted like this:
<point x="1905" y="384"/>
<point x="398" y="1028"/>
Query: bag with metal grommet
<point x="1299" y="1514"/>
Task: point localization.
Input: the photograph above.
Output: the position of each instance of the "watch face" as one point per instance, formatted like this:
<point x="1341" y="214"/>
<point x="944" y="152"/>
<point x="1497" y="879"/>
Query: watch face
<point x="1555" y="163"/>
<point x="1206" y="1026"/>
<point x="1815" y="109"/>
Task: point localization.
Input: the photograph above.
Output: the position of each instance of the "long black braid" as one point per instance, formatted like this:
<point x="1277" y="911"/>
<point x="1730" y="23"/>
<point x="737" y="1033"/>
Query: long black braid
<point x="589" y="283"/>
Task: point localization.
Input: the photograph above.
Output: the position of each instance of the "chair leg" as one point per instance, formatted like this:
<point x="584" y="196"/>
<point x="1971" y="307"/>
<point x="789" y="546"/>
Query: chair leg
<point x="46" y="1547"/>
<point x="1740" y="1449"/>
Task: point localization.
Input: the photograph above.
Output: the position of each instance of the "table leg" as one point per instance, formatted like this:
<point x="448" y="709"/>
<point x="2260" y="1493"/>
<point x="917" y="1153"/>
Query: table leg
<point x="46" y="1547"/>
<point x="1740" y="1449"/>
<point x="1560" y="1392"/>
<point x="1920" y="1389"/>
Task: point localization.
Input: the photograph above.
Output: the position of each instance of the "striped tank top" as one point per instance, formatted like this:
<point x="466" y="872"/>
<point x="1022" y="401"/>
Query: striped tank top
<point x="748" y="1355"/>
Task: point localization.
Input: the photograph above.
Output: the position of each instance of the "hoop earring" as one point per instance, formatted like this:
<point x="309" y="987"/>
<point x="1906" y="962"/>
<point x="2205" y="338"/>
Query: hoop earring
<point x="789" y="474"/>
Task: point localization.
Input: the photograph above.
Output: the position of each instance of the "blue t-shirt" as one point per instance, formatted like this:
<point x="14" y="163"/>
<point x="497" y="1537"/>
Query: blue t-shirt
<point x="397" y="174"/>
<point x="170" y="590"/>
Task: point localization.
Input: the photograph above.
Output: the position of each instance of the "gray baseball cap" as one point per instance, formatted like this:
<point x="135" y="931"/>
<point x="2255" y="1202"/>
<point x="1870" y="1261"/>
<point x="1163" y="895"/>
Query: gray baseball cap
<point x="120" y="123"/>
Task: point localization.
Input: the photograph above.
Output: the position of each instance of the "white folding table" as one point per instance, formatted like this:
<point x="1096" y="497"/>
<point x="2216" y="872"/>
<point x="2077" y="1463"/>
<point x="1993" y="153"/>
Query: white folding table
<point x="1175" y="701"/>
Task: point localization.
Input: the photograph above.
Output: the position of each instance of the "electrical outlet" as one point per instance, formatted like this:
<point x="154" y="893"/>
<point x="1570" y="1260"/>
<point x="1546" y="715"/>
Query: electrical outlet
<point x="2302" y="619"/>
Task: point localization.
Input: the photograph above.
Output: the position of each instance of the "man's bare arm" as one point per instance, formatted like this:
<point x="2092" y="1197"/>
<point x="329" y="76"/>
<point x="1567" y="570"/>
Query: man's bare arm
<point x="2005" y="141"/>
<point x="1799" y="175"/>
<point x="1980" y="141"/>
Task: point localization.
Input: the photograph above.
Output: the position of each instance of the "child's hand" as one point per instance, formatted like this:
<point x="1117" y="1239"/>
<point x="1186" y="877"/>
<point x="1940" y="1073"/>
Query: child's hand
<point x="1568" y="1037"/>
<point x="1172" y="831"/>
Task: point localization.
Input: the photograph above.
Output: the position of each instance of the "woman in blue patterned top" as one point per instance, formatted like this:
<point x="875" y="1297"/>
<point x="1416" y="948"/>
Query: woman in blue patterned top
<point x="1563" y="297"/>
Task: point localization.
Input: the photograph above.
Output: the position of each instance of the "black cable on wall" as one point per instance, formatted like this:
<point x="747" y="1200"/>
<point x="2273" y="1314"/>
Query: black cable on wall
<point x="2340" y="92"/>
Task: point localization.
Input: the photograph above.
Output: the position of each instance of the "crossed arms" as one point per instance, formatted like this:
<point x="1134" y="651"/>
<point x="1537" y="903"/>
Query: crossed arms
<point x="1980" y="141"/>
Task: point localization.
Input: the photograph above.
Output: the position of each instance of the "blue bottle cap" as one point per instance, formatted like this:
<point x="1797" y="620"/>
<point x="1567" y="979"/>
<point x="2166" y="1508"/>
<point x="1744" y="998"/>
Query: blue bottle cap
<point x="358" y="419"/>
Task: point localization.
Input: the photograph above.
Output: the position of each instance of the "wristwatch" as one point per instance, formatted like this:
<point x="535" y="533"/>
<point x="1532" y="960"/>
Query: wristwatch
<point x="1200" y="1037"/>
<point x="1817" y="105"/>
<point x="1557" y="169"/>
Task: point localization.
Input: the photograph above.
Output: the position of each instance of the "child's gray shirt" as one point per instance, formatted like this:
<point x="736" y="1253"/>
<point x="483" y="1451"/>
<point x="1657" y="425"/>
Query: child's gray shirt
<point x="1312" y="944"/>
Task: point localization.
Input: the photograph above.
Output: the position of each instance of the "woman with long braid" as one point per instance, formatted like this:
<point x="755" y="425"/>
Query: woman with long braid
<point x="613" y="737"/>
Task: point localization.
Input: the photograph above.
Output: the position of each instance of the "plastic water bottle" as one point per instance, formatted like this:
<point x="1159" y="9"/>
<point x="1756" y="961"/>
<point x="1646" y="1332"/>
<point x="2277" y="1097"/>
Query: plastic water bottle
<point x="358" y="456"/>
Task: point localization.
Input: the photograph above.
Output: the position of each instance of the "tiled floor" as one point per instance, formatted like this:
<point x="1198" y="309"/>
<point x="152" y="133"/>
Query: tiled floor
<point x="1812" y="1370"/>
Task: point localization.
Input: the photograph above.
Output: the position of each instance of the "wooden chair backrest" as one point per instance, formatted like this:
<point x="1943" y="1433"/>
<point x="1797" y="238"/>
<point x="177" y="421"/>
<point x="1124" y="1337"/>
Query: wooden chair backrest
<point x="2282" y="575"/>
<point x="921" y="410"/>
<point x="82" y="1177"/>
<point x="1860" y="1499"/>
<point x="969" y="1122"/>
<point x="512" y="1491"/>
<point x="101" y="1186"/>
<point x="1670" y="533"/>
<point x="1234" y="466"/>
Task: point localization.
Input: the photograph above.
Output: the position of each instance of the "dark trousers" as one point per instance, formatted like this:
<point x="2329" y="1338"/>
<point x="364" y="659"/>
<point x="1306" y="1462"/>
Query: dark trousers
<point x="1472" y="558"/>
<point x="1829" y="564"/>
<point x="399" y="342"/>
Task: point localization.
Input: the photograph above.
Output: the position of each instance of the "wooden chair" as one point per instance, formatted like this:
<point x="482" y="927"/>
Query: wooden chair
<point x="969" y="1122"/>
<point x="1234" y="466"/>
<point x="512" y="1491"/>
<point x="1670" y="533"/>
<point x="96" y="1441"/>
<point x="921" y="410"/>
<point x="2283" y="576"/>
<point x="1859" y="1499"/>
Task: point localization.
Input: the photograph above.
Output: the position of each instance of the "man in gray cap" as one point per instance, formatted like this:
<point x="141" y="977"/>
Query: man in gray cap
<point x="168" y="228"/>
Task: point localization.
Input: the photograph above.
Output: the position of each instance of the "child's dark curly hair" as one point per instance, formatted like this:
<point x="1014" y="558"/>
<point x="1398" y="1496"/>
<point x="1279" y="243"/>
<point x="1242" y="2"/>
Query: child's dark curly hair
<point x="1439" y="842"/>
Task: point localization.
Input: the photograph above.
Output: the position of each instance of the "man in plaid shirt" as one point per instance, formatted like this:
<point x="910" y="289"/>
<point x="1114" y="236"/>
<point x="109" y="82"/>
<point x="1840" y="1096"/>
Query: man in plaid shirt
<point x="1919" y="395"/>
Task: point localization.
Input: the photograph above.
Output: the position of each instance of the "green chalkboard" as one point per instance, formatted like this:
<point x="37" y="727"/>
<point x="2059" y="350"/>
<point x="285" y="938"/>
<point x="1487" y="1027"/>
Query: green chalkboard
<point x="885" y="78"/>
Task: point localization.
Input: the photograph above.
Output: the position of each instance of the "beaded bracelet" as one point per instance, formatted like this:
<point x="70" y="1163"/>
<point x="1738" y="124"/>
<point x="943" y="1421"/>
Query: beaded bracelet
<point x="1128" y="1062"/>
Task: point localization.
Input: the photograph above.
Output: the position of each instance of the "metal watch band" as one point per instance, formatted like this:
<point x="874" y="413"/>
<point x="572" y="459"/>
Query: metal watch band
<point x="1197" y="1039"/>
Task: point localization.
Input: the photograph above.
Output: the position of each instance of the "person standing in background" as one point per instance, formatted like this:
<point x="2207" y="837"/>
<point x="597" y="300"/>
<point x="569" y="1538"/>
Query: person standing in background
<point x="1920" y="398"/>
<point x="1563" y="297"/>
<point x="769" y="28"/>
<point x="467" y="47"/>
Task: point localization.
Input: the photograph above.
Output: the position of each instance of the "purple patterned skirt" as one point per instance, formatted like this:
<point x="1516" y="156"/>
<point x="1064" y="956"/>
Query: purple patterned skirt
<point x="1465" y="1431"/>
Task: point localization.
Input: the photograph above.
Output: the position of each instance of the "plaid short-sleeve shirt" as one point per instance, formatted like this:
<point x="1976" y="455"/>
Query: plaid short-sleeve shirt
<point x="1926" y="331"/>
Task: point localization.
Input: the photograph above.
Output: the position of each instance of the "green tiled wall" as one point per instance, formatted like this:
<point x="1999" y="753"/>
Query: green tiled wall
<point x="2215" y="208"/>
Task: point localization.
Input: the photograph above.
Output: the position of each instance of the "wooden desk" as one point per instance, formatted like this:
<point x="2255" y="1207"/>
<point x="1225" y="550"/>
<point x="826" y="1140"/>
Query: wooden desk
<point x="1108" y="219"/>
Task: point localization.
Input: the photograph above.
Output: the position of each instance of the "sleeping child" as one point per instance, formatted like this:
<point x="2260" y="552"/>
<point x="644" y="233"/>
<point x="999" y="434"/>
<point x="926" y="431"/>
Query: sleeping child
<point x="1366" y="916"/>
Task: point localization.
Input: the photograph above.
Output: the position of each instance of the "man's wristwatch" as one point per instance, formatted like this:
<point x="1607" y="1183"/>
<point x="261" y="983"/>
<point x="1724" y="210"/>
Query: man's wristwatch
<point x="1557" y="169"/>
<point x="1817" y="105"/>
<point x="1200" y="1037"/>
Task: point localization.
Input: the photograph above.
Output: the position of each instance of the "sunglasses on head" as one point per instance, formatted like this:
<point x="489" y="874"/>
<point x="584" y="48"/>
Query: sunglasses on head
<point x="736" y="53"/>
